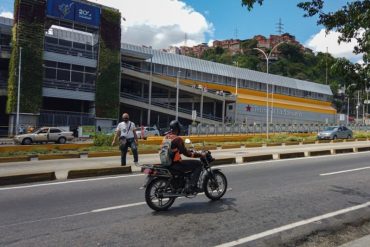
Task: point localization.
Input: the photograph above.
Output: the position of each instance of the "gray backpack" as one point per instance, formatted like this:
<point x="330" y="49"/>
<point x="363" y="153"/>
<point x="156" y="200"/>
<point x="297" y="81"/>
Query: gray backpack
<point x="166" y="154"/>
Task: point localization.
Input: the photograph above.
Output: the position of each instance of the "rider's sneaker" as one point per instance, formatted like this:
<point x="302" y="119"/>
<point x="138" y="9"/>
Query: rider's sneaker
<point x="137" y="164"/>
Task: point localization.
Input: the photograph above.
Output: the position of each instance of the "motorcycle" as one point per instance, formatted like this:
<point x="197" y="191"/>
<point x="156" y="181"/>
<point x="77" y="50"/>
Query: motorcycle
<point x="164" y="184"/>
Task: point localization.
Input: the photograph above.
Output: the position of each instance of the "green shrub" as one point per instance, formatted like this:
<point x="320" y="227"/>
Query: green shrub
<point x="103" y="140"/>
<point x="109" y="71"/>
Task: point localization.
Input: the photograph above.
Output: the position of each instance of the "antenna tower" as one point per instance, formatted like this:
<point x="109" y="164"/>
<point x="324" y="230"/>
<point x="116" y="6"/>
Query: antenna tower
<point x="280" y="27"/>
<point x="236" y="33"/>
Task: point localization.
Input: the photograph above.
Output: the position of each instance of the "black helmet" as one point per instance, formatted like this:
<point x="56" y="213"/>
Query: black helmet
<point x="175" y="125"/>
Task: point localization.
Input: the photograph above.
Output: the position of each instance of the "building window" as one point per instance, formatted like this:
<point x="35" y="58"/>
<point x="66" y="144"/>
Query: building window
<point x="77" y="77"/>
<point x="50" y="73"/>
<point x="64" y="66"/>
<point x="63" y="75"/>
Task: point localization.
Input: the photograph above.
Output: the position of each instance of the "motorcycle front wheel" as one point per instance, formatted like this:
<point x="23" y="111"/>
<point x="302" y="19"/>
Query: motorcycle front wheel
<point x="154" y="194"/>
<point x="215" y="186"/>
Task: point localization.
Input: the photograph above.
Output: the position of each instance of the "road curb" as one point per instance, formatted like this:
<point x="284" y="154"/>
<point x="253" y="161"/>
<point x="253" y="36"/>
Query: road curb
<point x="99" y="172"/>
<point x="291" y="155"/>
<point x="257" y="158"/>
<point x="224" y="161"/>
<point x="28" y="178"/>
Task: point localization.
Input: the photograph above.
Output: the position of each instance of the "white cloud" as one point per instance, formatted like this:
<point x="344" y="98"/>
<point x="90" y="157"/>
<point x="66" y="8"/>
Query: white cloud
<point x="6" y="14"/>
<point x="321" y="40"/>
<point x="160" y="23"/>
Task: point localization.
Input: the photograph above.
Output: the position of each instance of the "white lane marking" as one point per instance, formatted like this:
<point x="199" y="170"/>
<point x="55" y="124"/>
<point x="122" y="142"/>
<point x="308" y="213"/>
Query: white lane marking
<point x="89" y="212"/>
<point x="117" y="207"/>
<point x="69" y="182"/>
<point x="345" y="171"/>
<point x="136" y="175"/>
<point x="293" y="225"/>
<point x="285" y="160"/>
<point x="41" y="220"/>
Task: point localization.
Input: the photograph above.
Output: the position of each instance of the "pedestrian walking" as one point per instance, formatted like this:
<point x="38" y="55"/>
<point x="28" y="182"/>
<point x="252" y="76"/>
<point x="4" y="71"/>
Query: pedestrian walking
<point x="127" y="139"/>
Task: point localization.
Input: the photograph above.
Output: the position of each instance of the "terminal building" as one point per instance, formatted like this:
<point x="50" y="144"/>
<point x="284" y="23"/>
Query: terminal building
<point x="74" y="71"/>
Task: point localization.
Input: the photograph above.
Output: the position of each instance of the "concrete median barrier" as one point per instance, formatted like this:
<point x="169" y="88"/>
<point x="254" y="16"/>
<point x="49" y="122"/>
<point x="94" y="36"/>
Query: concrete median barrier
<point x="343" y="150"/>
<point x="58" y="156"/>
<point x="224" y="161"/>
<point x="291" y="155"/>
<point x="14" y="159"/>
<point x="257" y="158"/>
<point x="291" y="143"/>
<point x="103" y="154"/>
<point x="99" y="172"/>
<point x="363" y="149"/>
<point x="29" y="178"/>
<point x="319" y="153"/>
<point x="308" y="142"/>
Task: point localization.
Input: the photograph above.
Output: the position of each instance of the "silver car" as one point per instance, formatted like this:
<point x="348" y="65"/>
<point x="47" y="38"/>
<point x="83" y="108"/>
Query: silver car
<point x="335" y="132"/>
<point x="44" y="135"/>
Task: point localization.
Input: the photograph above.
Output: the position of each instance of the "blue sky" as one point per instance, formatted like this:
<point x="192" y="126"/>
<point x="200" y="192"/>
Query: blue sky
<point x="164" y="23"/>
<point x="227" y="16"/>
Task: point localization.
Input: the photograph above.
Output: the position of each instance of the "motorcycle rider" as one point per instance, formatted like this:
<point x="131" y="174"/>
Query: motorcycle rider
<point x="178" y="148"/>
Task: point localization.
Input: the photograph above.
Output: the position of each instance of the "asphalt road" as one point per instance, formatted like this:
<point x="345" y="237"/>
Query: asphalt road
<point x="276" y="200"/>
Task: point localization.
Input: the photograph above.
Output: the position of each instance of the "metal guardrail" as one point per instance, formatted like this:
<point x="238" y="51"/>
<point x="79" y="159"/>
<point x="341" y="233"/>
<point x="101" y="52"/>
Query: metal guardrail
<point x="209" y="129"/>
<point x="67" y="85"/>
<point x="211" y="91"/>
<point x="63" y="118"/>
<point x="69" y="51"/>
<point x="166" y="106"/>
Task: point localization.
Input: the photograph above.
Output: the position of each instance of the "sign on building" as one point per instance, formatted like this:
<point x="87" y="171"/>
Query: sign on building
<point x="74" y="11"/>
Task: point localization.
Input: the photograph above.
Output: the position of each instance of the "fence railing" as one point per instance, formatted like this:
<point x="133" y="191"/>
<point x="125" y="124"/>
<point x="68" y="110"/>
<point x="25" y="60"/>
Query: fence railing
<point x="167" y="106"/>
<point x="205" y="90"/>
<point x="209" y="129"/>
<point x="62" y="118"/>
<point x="68" y="85"/>
<point x="70" y="51"/>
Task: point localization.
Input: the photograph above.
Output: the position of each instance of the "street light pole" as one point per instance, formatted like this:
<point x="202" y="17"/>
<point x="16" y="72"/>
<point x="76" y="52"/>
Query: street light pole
<point x="177" y="94"/>
<point x="18" y="90"/>
<point x="267" y="92"/>
<point x="236" y="95"/>
<point x="267" y="86"/>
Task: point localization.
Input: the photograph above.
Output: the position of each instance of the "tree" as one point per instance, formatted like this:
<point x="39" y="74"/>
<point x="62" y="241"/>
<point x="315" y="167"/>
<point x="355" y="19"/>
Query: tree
<point x="352" y="21"/>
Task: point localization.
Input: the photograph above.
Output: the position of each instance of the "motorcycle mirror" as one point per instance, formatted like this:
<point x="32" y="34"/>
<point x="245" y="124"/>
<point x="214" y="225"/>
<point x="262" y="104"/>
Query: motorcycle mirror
<point x="187" y="141"/>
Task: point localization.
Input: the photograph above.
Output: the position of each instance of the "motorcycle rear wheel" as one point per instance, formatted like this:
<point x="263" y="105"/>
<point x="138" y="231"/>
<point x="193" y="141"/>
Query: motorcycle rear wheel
<point x="215" y="186"/>
<point x="153" y="193"/>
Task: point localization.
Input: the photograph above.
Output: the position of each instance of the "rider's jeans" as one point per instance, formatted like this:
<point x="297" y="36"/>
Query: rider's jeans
<point x="189" y="165"/>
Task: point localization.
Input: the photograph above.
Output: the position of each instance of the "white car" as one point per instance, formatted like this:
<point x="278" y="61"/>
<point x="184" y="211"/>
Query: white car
<point x="144" y="132"/>
<point x="44" y="135"/>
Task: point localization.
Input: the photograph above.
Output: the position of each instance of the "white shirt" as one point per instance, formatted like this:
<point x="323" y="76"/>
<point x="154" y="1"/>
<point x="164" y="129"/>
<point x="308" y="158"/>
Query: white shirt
<point x="123" y="127"/>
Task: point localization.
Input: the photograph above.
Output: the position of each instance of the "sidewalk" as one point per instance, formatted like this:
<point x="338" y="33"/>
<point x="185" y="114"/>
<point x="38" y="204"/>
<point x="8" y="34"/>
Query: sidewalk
<point x="361" y="242"/>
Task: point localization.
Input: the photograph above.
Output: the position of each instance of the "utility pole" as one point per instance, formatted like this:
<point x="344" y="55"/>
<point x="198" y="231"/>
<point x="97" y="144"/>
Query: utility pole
<point x="326" y="70"/>
<point x="18" y="90"/>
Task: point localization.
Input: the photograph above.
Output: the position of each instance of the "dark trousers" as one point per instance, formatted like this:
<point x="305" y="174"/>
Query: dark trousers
<point x="195" y="166"/>
<point x="124" y="148"/>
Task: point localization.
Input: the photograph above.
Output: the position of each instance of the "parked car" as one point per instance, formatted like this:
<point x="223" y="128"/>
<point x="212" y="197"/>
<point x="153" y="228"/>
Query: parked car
<point x="147" y="131"/>
<point x="335" y="132"/>
<point x="44" y="135"/>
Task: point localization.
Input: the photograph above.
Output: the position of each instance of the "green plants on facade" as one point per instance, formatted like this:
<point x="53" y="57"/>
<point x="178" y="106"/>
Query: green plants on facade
<point x="28" y="33"/>
<point x="108" y="77"/>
